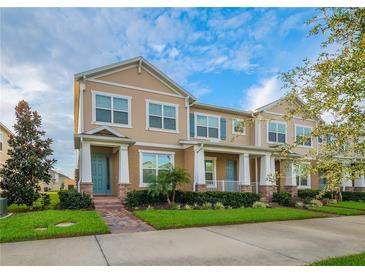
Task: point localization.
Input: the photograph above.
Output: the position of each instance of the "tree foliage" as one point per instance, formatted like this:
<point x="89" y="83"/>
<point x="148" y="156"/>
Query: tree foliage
<point x="29" y="163"/>
<point x="333" y="86"/>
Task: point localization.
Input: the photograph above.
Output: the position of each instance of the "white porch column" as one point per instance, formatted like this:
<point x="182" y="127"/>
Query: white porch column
<point x="265" y="170"/>
<point x="199" y="167"/>
<point x="123" y="165"/>
<point x="346" y="182"/>
<point x="244" y="169"/>
<point x="85" y="163"/>
<point x="290" y="178"/>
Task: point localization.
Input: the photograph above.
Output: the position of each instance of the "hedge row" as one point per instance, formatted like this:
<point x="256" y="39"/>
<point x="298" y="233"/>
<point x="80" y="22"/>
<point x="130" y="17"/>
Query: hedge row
<point x="138" y="198"/>
<point x="308" y="194"/>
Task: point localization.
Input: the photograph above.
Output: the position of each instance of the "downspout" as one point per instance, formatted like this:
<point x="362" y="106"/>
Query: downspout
<point x="187" y="107"/>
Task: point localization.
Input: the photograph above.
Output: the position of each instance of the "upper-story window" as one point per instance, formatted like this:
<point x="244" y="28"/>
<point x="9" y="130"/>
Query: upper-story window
<point x="303" y="136"/>
<point x="162" y="116"/>
<point x="276" y="132"/>
<point x="303" y="178"/>
<point x="1" y="142"/>
<point x="238" y="127"/>
<point x="207" y="126"/>
<point x="112" y="109"/>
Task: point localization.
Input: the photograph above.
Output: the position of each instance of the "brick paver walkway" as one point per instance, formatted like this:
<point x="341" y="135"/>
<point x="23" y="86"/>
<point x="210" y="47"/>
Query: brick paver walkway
<point x="117" y="217"/>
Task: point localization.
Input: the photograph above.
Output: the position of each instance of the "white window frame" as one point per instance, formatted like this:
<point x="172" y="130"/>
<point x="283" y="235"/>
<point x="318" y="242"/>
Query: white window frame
<point x="267" y="131"/>
<point x="309" y="183"/>
<point x="244" y="127"/>
<point x="295" y="135"/>
<point x="196" y="126"/>
<point x="141" y="183"/>
<point x="148" y="101"/>
<point x="112" y="95"/>
<point x="214" y="160"/>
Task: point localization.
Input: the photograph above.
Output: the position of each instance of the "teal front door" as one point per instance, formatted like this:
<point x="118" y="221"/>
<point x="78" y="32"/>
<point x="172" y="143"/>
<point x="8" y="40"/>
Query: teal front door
<point x="230" y="175"/>
<point x="100" y="166"/>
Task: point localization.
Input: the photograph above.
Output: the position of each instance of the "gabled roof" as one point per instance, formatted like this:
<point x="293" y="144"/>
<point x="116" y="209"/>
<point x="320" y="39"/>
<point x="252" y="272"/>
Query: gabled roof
<point x="137" y="60"/>
<point x="275" y="103"/>
<point x="6" y="129"/>
<point x="223" y="109"/>
<point x="104" y="130"/>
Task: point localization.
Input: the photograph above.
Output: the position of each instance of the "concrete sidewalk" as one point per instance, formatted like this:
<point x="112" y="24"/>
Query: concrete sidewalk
<point x="274" y="243"/>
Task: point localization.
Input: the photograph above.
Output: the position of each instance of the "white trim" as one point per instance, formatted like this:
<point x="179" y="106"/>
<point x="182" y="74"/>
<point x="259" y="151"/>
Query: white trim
<point x="112" y="72"/>
<point x="81" y="106"/>
<point x="244" y="127"/>
<point x="163" y="82"/>
<point x="123" y="176"/>
<point x="134" y="88"/>
<point x="295" y="135"/>
<point x="148" y="101"/>
<point x="309" y="183"/>
<point x="282" y="115"/>
<point x="107" y="128"/>
<point x="267" y="131"/>
<point x="147" y="144"/>
<point x="196" y="126"/>
<point x="112" y="95"/>
<point x="214" y="159"/>
<point x="187" y="106"/>
<point x="140" y="152"/>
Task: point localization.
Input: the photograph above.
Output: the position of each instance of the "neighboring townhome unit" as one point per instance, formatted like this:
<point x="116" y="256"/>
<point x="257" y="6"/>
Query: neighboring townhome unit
<point x="132" y="122"/>
<point x="4" y="137"/>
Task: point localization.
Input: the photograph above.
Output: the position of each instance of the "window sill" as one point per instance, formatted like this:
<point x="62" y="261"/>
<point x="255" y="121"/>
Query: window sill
<point x="238" y="133"/>
<point x="110" y="124"/>
<point x="208" y="139"/>
<point x="162" y="130"/>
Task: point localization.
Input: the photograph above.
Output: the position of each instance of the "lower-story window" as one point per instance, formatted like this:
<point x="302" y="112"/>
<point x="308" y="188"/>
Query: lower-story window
<point x="302" y="176"/>
<point x="152" y="164"/>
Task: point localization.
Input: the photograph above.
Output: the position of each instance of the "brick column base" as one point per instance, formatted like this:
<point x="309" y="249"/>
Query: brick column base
<point x="267" y="192"/>
<point x="86" y="188"/>
<point x="245" y="188"/>
<point x="123" y="191"/>
<point x="293" y="190"/>
<point x="201" y="188"/>
<point x="359" y="189"/>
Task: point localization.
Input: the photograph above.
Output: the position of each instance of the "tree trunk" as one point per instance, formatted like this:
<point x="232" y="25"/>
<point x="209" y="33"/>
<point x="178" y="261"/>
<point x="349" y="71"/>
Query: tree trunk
<point x="173" y="196"/>
<point x="168" y="200"/>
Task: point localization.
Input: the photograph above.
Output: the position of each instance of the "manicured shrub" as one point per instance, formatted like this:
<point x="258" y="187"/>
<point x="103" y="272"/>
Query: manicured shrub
<point x="309" y="194"/>
<point x="282" y="198"/>
<point x="315" y="203"/>
<point x="71" y="199"/>
<point x="299" y="204"/>
<point x="259" y="205"/>
<point x="233" y="199"/>
<point x="207" y="205"/>
<point x="353" y="196"/>
<point x="175" y="206"/>
<point x="188" y="207"/>
<point x="45" y="200"/>
<point x="218" y="205"/>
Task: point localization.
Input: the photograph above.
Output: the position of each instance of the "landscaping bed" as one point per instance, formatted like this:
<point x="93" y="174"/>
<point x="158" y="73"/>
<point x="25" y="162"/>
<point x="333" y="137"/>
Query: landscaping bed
<point x="351" y="260"/>
<point x="165" y="219"/>
<point x="42" y="225"/>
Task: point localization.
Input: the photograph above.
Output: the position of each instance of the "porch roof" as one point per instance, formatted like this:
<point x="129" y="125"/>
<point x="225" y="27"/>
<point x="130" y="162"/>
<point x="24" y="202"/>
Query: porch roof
<point x="108" y="140"/>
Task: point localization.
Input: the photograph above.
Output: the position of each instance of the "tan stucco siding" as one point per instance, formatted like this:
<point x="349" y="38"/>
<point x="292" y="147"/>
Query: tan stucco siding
<point x="144" y="79"/>
<point x="221" y="160"/>
<point x="230" y="137"/>
<point x="134" y="166"/>
<point x="5" y="146"/>
<point x="138" y="130"/>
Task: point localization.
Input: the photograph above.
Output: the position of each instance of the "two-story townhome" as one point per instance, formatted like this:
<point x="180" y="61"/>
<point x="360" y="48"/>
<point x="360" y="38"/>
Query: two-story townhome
<point x="133" y="122"/>
<point x="4" y="137"/>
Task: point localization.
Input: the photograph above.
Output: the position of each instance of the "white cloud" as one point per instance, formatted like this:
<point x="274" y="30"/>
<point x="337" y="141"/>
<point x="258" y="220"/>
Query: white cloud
<point x="173" y="53"/>
<point x="266" y="91"/>
<point x="292" y="22"/>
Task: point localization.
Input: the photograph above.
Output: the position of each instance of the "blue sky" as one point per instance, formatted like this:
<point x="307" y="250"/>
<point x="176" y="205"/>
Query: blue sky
<point x="229" y="57"/>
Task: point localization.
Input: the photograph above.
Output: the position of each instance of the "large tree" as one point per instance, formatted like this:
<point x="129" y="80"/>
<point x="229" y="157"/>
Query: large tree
<point x="333" y="87"/>
<point x="29" y="161"/>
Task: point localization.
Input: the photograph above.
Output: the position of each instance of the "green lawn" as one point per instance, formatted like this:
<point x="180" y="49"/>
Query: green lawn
<point x="338" y="210"/>
<point x="164" y="219"/>
<point x="21" y="226"/>
<point x="354" y="260"/>
<point x="351" y="205"/>
<point x="37" y="204"/>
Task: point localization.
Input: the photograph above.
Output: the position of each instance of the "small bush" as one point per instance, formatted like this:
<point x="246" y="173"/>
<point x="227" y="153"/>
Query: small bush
<point x="149" y="207"/>
<point x="259" y="205"/>
<point x="315" y="203"/>
<point x="218" y="205"/>
<point x="282" y="198"/>
<point x="299" y="204"/>
<point x="71" y="199"/>
<point x="175" y="206"/>
<point x="207" y="205"/>
<point x="188" y="207"/>
<point x="332" y="201"/>
<point x="353" y="196"/>
<point x="45" y="200"/>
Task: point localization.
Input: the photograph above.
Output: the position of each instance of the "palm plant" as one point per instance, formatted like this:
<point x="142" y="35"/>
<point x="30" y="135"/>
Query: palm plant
<point x="167" y="182"/>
